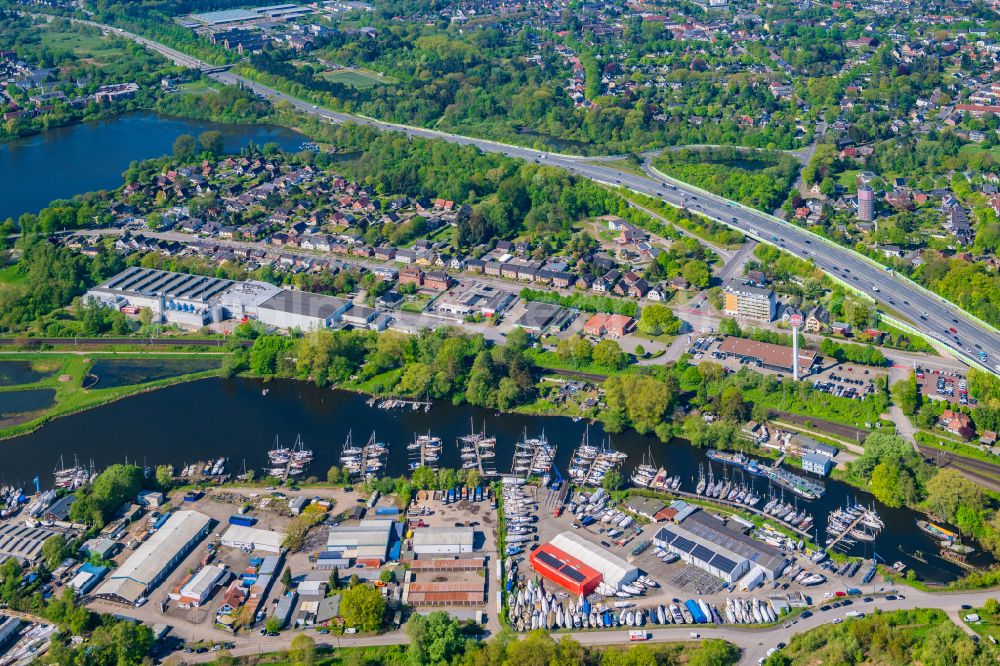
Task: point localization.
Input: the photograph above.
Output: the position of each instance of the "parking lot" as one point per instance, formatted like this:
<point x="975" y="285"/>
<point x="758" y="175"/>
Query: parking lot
<point x="944" y="385"/>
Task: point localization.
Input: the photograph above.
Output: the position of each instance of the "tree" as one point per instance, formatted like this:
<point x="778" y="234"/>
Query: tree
<point x="302" y="651"/>
<point x="887" y="484"/>
<point x="948" y="490"/>
<point x="333" y="475"/>
<point x="335" y="579"/>
<point x="286" y="578"/>
<point x="272" y="625"/>
<point x="640" y="351"/>
<point x="54" y="551"/>
<point x="434" y="639"/>
<point x="362" y="606"/>
<point x="423" y="478"/>
<point x="658" y="319"/>
<point x="612" y="480"/>
<point x="608" y="354"/>
<point x="906" y="395"/>
<point x="165" y="476"/>
<point x="991" y="606"/>
<point x="387" y="576"/>
<point x="211" y="141"/>
<point x="266" y="353"/>
<point x="697" y="273"/>
<point x="184" y="146"/>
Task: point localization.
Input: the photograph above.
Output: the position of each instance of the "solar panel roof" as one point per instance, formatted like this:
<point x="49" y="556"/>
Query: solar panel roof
<point x="549" y="559"/>
<point x="683" y="544"/>
<point x="572" y="574"/>
<point x="723" y="563"/>
<point x="702" y="553"/>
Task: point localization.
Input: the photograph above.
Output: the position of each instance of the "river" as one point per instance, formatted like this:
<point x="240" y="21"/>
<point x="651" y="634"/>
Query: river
<point x="79" y="158"/>
<point x="209" y="418"/>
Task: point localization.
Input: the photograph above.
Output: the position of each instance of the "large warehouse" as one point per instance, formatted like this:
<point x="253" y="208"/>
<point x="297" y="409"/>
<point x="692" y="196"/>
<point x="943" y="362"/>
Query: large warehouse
<point x="366" y="543"/>
<point x="709" y="544"/>
<point x="196" y="300"/>
<point x="252" y="538"/>
<point x="565" y="570"/>
<point x="614" y="570"/>
<point x="302" y="310"/>
<point x="155" y="558"/>
<point x="22" y="542"/>
<point x="443" y="540"/>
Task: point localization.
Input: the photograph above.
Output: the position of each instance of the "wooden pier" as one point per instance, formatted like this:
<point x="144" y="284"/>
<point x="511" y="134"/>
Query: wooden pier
<point x="857" y="521"/>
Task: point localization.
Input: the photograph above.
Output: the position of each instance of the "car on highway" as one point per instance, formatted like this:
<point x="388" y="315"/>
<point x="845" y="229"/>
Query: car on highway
<point x="952" y="330"/>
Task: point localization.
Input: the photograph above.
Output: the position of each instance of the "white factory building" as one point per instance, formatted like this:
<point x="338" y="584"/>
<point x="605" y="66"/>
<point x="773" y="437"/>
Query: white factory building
<point x="252" y="538"/>
<point x="196" y="590"/>
<point x="709" y="544"/>
<point x="193" y="301"/>
<point x="614" y="570"/>
<point x="443" y="540"/>
<point x="156" y="557"/>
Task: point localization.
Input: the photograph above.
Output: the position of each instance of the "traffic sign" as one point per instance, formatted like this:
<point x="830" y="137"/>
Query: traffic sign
<point x="795" y="320"/>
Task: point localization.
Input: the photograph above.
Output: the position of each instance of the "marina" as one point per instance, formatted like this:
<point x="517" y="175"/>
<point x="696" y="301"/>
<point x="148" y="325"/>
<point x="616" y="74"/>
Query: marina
<point x="283" y="462"/>
<point x="648" y="475"/>
<point x="324" y="419"/>
<point x="478" y="451"/>
<point x="850" y="525"/>
<point x="534" y="457"/>
<point x="425" y="451"/>
<point x="801" y="486"/>
<point x="590" y="464"/>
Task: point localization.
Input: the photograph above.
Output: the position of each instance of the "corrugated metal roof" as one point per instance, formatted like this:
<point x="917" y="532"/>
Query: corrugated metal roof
<point x="437" y="536"/>
<point x="132" y="578"/>
<point x="614" y="569"/>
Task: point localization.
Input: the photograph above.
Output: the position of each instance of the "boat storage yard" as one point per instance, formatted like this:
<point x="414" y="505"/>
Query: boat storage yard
<point x="580" y="560"/>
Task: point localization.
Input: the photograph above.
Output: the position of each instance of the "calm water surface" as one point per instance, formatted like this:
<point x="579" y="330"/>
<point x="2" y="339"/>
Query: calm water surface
<point x="92" y="156"/>
<point x="209" y="418"/>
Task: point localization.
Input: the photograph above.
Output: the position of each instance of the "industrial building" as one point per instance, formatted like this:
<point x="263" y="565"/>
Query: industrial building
<point x="563" y="569"/>
<point x="443" y="540"/>
<point x="468" y="592"/>
<point x="178" y="298"/>
<point x="252" y="538"/>
<point x="614" y="570"/>
<point x="197" y="588"/>
<point x="87" y="577"/>
<point x="22" y="542"/>
<point x="750" y="302"/>
<point x="773" y="357"/>
<point x="541" y="317"/>
<point x="366" y="543"/>
<point x="709" y="544"/>
<point x="152" y="562"/>
<point x="302" y="310"/>
<point x="9" y="627"/>
<point x="477" y="297"/>
<point x="194" y="301"/>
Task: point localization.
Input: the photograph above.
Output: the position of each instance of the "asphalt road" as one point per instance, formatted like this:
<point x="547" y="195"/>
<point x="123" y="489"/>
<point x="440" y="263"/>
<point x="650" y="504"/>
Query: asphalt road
<point x="929" y="312"/>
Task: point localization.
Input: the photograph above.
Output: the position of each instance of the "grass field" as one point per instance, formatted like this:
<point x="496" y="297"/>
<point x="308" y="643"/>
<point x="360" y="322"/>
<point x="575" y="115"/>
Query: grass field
<point x="196" y="88"/>
<point x="12" y="275"/>
<point x="848" y="179"/>
<point x="357" y="78"/>
<point x="94" y="47"/>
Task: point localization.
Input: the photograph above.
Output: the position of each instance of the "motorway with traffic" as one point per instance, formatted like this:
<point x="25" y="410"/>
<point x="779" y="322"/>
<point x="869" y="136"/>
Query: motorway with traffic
<point x="953" y="329"/>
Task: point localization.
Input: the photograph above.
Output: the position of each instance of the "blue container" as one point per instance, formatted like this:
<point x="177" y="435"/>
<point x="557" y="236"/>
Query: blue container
<point x="386" y="511"/>
<point x="245" y="521"/>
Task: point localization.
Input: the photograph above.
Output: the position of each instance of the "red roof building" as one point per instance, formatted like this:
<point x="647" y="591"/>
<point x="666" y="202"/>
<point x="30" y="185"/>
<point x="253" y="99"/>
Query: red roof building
<point x="564" y="570"/>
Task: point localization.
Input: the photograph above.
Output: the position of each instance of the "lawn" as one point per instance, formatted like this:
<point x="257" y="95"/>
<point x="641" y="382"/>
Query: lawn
<point x="86" y="46"/>
<point x="12" y="275"/>
<point x="848" y="179"/>
<point x="196" y="88"/>
<point x="416" y="305"/>
<point x="357" y="78"/>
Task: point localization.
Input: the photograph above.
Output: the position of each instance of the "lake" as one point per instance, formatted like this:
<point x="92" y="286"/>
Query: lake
<point x="111" y="373"/>
<point x="13" y="373"/>
<point x="209" y="418"/>
<point x="92" y="156"/>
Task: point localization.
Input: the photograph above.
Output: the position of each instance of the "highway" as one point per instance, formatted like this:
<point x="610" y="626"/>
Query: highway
<point x="959" y="333"/>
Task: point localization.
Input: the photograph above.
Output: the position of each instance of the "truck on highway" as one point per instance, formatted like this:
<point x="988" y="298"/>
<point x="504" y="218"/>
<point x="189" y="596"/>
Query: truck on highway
<point x="638" y="635"/>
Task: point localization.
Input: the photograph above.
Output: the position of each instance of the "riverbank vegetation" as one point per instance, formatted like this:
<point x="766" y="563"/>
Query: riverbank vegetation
<point x="756" y="178"/>
<point x="895" y="638"/>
